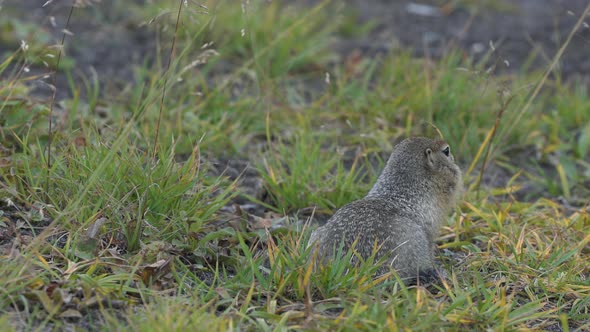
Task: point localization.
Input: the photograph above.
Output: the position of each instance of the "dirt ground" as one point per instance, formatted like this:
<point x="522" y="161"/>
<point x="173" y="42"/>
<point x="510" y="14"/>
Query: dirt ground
<point x="522" y="32"/>
<point x="517" y="29"/>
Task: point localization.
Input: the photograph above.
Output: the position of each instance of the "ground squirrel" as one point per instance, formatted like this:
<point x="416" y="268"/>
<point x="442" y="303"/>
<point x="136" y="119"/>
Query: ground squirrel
<point x="402" y="213"/>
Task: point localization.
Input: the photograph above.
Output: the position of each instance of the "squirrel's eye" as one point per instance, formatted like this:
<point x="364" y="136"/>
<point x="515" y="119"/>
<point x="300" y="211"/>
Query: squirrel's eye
<point x="447" y="151"/>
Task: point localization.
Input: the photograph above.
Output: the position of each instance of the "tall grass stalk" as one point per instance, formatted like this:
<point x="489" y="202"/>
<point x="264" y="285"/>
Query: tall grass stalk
<point x="166" y="75"/>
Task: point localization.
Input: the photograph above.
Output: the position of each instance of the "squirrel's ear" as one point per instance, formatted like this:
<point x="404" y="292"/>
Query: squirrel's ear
<point x="429" y="158"/>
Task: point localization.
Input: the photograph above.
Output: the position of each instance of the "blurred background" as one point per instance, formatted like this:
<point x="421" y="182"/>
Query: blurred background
<point x="112" y="36"/>
<point x="364" y="73"/>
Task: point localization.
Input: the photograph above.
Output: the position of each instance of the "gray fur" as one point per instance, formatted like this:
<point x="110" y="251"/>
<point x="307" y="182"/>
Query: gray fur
<point x="400" y="217"/>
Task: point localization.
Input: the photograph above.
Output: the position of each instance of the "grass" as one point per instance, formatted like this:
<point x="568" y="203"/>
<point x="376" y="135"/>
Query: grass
<point x="111" y="237"/>
<point x="305" y="175"/>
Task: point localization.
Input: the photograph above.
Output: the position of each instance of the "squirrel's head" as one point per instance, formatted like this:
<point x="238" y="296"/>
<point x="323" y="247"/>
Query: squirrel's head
<point x="432" y="161"/>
